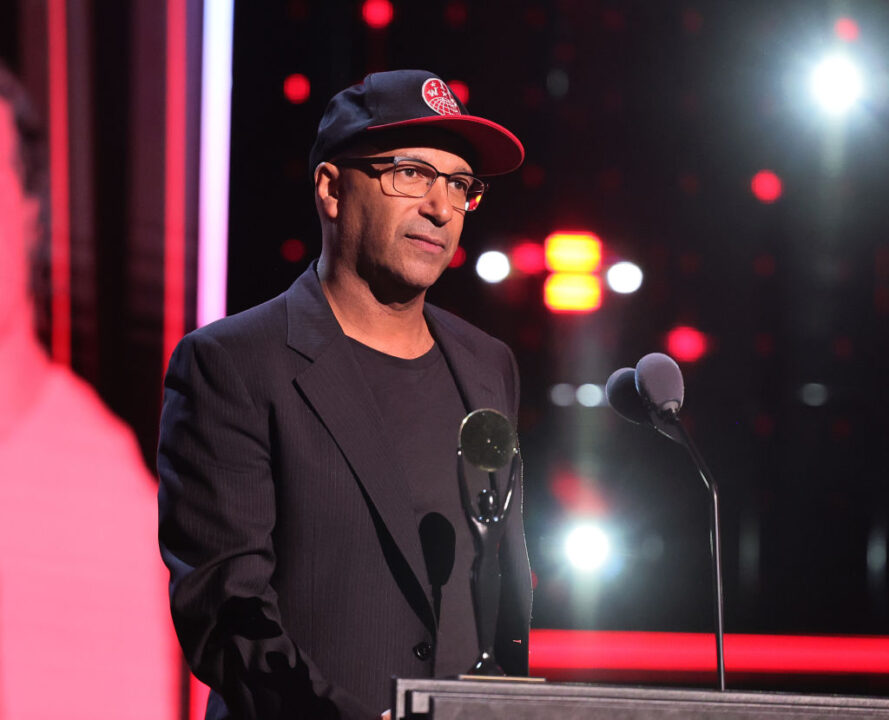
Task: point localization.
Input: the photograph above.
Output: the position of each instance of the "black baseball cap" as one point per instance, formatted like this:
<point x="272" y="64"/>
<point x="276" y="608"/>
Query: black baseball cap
<point x="386" y="101"/>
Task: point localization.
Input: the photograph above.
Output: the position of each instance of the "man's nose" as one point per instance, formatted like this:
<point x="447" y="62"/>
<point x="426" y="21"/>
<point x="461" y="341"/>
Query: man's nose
<point x="436" y="204"/>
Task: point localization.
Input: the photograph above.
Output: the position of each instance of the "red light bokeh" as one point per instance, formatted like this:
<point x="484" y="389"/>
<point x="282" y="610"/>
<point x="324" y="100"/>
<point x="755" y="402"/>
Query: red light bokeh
<point x="293" y="250"/>
<point x="687" y="344"/>
<point x="377" y="13"/>
<point x="764" y="265"/>
<point x="575" y="493"/>
<point x="458" y="259"/>
<point x="528" y="258"/>
<point x="455" y="13"/>
<point x="846" y="29"/>
<point x="297" y="88"/>
<point x="460" y="89"/>
<point x="766" y="186"/>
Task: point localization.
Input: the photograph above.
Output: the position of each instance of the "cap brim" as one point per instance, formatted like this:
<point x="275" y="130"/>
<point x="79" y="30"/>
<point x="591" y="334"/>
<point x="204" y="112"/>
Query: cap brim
<point x="497" y="150"/>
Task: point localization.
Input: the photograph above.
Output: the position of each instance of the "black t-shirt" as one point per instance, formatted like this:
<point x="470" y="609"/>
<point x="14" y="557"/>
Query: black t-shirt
<point x="421" y="410"/>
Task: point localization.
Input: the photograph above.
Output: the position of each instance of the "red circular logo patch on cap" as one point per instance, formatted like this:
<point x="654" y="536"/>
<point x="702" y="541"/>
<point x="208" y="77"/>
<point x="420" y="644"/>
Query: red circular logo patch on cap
<point x="438" y="96"/>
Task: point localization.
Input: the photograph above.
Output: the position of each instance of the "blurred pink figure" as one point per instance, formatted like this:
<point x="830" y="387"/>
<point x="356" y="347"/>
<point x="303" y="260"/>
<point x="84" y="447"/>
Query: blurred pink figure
<point x="84" y="625"/>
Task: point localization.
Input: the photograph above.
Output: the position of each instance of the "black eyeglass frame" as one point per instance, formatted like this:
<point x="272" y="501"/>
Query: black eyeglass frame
<point x="395" y="160"/>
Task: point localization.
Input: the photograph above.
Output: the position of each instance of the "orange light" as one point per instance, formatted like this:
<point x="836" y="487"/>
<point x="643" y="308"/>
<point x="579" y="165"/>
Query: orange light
<point x="574" y="252"/>
<point x="572" y="292"/>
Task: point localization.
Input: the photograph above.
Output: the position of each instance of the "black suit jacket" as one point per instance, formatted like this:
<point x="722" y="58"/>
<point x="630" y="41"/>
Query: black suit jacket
<point x="298" y="585"/>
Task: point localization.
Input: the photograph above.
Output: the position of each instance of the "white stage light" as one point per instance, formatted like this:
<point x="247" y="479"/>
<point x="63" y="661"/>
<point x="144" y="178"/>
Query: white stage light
<point x="624" y="277"/>
<point x="492" y="266"/>
<point x="836" y="84"/>
<point x="814" y="394"/>
<point x="590" y="395"/>
<point x="587" y="547"/>
<point x="562" y="394"/>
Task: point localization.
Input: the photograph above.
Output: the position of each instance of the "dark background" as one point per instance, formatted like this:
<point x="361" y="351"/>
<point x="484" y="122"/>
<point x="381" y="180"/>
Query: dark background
<point x="644" y="123"/>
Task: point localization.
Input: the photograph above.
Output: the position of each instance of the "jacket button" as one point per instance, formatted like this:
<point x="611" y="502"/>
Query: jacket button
<point x="423" y="650"/>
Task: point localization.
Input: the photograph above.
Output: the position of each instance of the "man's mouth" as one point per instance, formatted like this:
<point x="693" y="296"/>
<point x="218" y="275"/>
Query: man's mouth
<point x="432" y="243"/>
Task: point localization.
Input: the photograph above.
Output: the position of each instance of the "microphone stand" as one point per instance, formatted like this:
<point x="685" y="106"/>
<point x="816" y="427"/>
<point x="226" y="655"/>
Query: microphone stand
<point x="671" y="419"/>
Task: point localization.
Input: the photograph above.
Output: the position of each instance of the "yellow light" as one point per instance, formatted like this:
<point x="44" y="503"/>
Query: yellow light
<point x="577" y="252"/>
<point x="572" y="292"/>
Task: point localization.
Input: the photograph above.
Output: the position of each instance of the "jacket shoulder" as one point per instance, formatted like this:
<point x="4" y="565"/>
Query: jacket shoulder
<point x="248" y="330"/>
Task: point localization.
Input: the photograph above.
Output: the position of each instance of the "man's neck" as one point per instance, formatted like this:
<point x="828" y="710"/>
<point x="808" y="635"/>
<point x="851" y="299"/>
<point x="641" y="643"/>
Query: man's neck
<point x="24" y="367"/>
<point x="394" y="328"/>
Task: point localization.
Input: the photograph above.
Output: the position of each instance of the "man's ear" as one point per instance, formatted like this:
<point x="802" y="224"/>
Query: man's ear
<point x="327" y="184"/>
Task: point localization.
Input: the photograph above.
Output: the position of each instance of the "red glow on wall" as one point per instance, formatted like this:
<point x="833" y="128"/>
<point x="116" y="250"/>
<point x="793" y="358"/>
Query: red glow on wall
<point x="535" y="17"/>
<point x="843" y="347"/>
<point x="377" y="13"/>
<point x="764" y="344"/>
<point x="60" y="231"/>
<point x="459" y="258"/>
<point x="293" y="250"/>
<point x="692" y="21"/>
<point x="576" y="494"/>
<point x="552" y="652"/>
<point x="297" y="88"/>
<point x="766" y="186"/>
<point x="174" y="179"/>
<point x="614" y="20"/>
<point x="460" y="89"/>
<point x="690" y="263"/>
<point x="689" y="183"/>
<point x="533" y="175"/>
<point x="841" y="428"/>
<point x="763" y="425"/>
<point x="846" y="29"/>
<point x="455" y="13"/>
<point x="528" y="258"/>
<point x="881" y="299"/>
<point x="687" y="344"/>
<point x="764" y="265"/>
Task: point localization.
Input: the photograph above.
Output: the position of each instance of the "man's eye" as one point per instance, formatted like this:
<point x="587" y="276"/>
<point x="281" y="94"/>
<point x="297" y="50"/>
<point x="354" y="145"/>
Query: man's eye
<point x="412" y="172"/>
<point x="461" y="184"/>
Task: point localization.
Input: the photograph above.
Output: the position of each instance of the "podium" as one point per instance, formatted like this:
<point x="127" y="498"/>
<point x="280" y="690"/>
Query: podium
<point x="528" y="700"/>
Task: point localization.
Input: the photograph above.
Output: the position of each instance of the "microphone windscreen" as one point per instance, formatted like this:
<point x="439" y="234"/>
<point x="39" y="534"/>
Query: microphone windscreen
<point x="659" y="382"/>
<point x="620" y="390"/>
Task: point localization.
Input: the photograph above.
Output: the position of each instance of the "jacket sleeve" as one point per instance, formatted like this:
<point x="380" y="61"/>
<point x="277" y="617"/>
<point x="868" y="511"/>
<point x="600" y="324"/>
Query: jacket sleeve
<point x="514" y="617"/>
<point x="216" y="516"/>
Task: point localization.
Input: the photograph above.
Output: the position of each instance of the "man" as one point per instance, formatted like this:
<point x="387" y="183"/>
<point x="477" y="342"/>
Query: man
<point x="80" y="580"/>
<point x="310" y="512"/>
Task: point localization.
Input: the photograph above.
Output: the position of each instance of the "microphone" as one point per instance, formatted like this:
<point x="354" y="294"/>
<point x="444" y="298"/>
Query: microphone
<point x="621" y="393"/>
<point x="624" y="398"/>
<point x="653" y="394"/>
<point x="659" y="384"/>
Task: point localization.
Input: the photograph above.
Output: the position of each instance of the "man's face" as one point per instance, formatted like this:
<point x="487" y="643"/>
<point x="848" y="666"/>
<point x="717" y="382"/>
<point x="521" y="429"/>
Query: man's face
<point x="399" y="244"/>
<point x="18" y="222"/>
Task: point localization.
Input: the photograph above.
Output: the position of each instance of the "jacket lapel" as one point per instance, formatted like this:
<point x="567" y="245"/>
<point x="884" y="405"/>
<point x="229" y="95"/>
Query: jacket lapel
<point x="477" y="382"/>
<point x="334" y="385"/>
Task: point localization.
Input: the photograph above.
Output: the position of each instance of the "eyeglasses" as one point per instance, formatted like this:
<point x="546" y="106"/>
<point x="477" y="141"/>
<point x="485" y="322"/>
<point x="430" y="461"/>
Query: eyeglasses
<point x="415" y="178"/>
